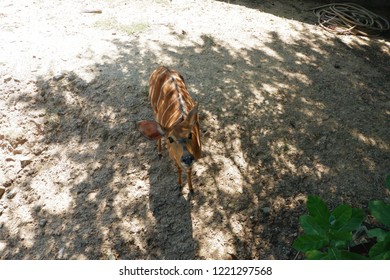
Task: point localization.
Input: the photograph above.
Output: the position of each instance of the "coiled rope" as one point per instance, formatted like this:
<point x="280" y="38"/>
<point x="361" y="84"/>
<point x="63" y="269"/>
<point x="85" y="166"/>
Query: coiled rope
<point x="350" y="18"/>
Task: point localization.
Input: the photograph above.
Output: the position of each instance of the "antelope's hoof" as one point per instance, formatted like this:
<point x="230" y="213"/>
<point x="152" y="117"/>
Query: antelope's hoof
<point x="178" y="189"/>
<point x="159" y="156"/>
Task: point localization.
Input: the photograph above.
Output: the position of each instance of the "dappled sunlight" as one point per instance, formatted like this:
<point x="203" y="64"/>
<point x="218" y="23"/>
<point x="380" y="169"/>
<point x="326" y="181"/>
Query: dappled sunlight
<point x="285" y="111"/>
<point x="371" y="141"/>
<point x="273" y="54"/>
<point x="218" y="245"/>
<point x="57" y="200"/>
<point x="230" y="174"/>
<point x="237" y="225"/>
<point x="19" y="223"/>
<point x="303" y="78"/>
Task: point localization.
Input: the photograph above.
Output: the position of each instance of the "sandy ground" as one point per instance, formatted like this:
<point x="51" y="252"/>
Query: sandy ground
<point x="287" y="110"/>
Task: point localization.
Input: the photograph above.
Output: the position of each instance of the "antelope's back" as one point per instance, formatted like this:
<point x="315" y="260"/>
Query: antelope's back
<point x="168" y="96"/>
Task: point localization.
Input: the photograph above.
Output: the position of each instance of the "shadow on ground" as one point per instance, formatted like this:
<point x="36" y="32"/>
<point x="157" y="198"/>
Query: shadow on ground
<point x="296" y="9"/>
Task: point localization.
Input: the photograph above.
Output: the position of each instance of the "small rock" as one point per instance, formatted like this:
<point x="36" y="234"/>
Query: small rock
<point x="25" y="162"/>
<point x="42" y="222"/>
<point x="7" y="79"/>
<point x="37" y="208"/>
<point x="8" y="182"/>
<point x="17" y="151"/>
<point x="58" y="77"/>
<point x="266" y="210"/>
<point x="11" y="194"/>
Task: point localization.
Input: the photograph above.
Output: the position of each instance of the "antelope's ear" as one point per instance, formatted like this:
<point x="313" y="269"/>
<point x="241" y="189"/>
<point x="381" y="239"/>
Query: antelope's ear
<point x="150" y="129"/>
<point x="192" y="117"/>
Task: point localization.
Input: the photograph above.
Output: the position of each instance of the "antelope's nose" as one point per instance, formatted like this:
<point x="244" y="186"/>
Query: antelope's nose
<point x="187" y="160"/>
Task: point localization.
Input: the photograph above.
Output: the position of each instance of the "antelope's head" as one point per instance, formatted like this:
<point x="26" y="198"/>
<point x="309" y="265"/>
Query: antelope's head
<point x="182" y="138"/>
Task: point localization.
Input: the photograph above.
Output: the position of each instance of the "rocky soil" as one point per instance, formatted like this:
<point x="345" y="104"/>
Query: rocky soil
<point x="287" y="110"/>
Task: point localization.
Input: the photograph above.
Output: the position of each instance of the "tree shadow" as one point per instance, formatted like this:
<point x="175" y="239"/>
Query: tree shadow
<point x="172" y="237"/>
<point x="301" y="10"/>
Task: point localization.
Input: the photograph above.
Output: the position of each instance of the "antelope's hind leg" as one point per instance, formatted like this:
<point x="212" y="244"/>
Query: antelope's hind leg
<point x="159" y="148"/>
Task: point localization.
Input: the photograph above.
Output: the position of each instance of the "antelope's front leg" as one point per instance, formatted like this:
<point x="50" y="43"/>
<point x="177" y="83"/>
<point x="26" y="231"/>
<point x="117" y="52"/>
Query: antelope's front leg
<point x="189" y="180"/>
<point x="179" y="175"/>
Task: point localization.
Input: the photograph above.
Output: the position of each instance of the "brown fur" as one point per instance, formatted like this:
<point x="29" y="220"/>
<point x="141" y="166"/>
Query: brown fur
<point x="176" y="119"/>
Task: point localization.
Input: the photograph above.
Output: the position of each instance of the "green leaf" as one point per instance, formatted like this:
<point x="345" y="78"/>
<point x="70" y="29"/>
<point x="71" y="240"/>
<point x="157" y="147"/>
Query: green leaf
<point x="339" y="244"/>
<point x="315" y="255"/>
<point x="334" y="253"/>
<point x="342" y="214"/>
<point x="380" y="250"/>
<point x="310" y="225"/>
<point x="340" y="239"/>
<point x="308" y="242"/>
<point x="381" y="211"/>
<point x="378" y="233"/>
<point x="353" y="223"/>
<point x="388" y="182"/>
<point x="340" y="235"/>
<point x="318" y="210"/>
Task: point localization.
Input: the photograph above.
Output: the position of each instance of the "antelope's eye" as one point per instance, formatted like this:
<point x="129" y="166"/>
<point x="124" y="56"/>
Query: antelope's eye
<point x="190" y="136"/>
<point x="171" y="140"/>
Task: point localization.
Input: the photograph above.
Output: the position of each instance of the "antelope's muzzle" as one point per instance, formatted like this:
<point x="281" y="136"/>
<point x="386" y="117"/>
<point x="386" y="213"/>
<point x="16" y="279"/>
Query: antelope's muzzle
<point x="187" y="161"/>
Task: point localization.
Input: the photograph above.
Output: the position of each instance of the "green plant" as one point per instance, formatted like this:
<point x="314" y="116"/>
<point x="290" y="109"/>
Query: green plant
<point x="381" y="212"/>
<point x="329" y="234"/>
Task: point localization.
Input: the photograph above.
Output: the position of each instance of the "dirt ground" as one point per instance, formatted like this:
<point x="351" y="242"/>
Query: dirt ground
<point x="287" y="110"/>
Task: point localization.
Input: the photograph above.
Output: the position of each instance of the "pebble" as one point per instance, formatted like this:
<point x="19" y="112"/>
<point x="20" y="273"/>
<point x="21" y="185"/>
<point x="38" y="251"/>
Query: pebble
<point x="37" y="208"/>
<point x="58" y="77"/>
<point x="25" y="162"/>
<point x="7" y="79"/>
<point x="17" y="151"/>
<point x="11" y="194"/>
<point x="266" y="210"/>
<point x="42" y="222"/>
